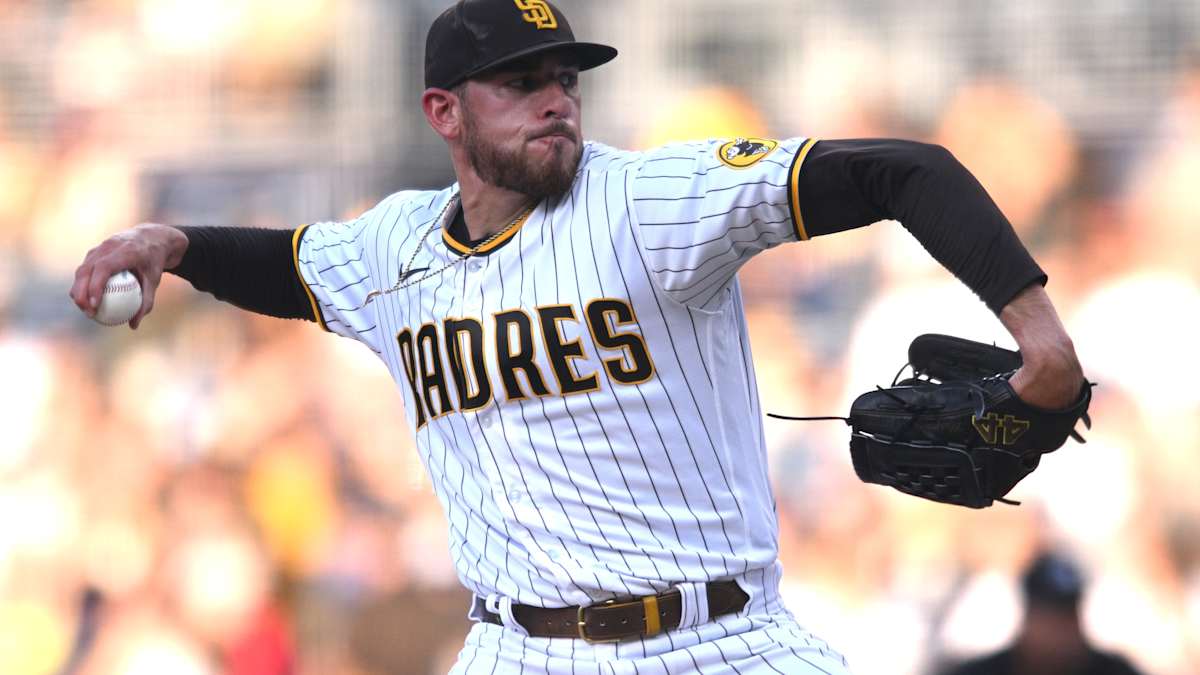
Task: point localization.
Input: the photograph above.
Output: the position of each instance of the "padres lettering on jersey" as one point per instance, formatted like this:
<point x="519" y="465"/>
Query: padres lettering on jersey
<point x="515" y="345"/>
<point x="582" y="395"/>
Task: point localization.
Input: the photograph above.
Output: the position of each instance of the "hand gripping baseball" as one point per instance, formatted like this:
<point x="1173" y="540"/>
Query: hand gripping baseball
<point x="957" y="432"/>
<point x="145" y="250"/>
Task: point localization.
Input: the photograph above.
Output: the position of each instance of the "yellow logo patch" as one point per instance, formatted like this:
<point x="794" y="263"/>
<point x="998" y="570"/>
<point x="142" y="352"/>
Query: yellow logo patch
<point x="996" y="430"/>
<point x="537" y="12"/>
<point x="743" y="152"/>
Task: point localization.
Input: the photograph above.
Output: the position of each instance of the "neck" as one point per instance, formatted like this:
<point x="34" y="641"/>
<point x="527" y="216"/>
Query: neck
<point x="487" y="209"/>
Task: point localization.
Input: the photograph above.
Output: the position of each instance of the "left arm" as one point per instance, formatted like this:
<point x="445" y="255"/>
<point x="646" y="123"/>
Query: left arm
<point x="1051" y="376"/>
<point x="847" y="184"/>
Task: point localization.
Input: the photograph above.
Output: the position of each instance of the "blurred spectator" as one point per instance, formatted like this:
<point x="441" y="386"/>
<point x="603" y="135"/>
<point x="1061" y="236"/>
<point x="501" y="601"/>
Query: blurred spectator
<point x="992" y="126"/>
<point x="1051" y="639"/>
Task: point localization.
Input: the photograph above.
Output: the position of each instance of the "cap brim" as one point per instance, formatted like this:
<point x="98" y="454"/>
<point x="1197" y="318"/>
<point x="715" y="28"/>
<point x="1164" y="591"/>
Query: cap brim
<point x="590" y="54"/>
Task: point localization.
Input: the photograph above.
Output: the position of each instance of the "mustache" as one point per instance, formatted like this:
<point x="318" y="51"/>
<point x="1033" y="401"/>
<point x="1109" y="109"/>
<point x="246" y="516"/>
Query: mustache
<point x="557" y="127"/>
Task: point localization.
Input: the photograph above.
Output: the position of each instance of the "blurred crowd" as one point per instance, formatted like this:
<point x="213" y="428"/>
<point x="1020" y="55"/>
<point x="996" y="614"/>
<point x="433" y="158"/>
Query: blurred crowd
<point x="222" y="493"/>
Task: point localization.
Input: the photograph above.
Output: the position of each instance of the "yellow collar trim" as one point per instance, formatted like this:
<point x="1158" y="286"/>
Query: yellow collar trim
<point x="458" y="246"/>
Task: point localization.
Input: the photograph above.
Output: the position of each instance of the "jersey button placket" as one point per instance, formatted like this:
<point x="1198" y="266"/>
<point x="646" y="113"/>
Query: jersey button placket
<point x="522" y="506"/>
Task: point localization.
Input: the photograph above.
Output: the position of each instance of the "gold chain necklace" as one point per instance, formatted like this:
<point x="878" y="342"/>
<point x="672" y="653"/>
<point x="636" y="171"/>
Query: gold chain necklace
<point x="401" y="284"/>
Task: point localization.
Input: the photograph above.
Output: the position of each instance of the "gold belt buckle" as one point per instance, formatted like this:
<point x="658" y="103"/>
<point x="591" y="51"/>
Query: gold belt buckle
<point x="650" y="628"/>
<point x="581" y="624"/>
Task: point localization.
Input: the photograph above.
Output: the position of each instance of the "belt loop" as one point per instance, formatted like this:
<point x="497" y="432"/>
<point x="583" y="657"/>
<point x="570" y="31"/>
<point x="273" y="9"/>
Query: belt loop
<point x="502" y="605"/>
<point x="694" y="604"/>
<point x="477" y="608"/>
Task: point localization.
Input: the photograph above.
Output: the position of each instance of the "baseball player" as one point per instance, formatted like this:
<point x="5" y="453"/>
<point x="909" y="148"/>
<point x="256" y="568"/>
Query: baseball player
<point x="566" y="328"/>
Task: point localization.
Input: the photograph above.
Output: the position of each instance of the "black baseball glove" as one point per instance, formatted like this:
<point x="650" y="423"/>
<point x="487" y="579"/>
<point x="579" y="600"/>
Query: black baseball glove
<point x="956" y="432"/>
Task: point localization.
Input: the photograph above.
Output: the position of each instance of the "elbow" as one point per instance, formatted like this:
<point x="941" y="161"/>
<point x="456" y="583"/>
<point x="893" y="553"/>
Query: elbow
<point x="931" y="158"/>
<point x="923" y="165"/>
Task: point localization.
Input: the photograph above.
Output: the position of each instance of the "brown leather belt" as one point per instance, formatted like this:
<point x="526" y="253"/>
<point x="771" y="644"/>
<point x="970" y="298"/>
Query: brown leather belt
<point x="618" y="619"/>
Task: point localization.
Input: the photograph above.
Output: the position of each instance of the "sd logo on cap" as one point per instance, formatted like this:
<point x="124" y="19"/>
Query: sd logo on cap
<point x="475" y="36"/>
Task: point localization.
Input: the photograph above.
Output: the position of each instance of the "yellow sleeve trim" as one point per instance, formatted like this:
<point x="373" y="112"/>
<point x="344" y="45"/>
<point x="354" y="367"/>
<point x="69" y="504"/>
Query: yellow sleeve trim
<point x="794" y="189"/>
<point x="312" y="300"/>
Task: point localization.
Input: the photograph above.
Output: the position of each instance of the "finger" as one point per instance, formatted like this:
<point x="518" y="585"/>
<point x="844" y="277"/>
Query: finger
<point x="101" y="271"/>
<point x="149" y="283"/>
<point x="78" y="288"/>
<point x="141" y="314"/>
<point x="83" y="274"/>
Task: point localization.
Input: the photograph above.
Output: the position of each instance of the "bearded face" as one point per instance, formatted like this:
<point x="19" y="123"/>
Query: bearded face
<point x="514" y="164"/>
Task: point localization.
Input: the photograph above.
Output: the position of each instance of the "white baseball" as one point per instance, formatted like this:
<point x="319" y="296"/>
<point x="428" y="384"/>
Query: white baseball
<point x="122" y="299"/>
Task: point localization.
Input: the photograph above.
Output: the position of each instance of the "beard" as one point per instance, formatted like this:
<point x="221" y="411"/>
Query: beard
<point x="515" y="170"/>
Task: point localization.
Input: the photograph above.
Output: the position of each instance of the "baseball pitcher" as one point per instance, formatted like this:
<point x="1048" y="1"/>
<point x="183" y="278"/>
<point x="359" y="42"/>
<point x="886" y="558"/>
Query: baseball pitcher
<point x="565" y="326"/>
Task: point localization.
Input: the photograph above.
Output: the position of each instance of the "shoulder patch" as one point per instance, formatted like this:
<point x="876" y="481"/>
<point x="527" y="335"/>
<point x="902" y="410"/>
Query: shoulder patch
<point x="743" y="152"/>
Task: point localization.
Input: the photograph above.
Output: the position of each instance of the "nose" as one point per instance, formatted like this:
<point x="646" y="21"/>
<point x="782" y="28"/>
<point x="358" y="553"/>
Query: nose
<point x="555" y="103"/>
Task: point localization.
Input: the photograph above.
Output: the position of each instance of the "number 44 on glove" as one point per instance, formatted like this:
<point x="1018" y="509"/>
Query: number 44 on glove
<point x="955" y="432"/>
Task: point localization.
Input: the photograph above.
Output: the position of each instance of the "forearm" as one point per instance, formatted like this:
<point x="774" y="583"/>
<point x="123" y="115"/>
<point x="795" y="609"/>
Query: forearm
<point x="849" y="184"/>
<point x="251" y="268"/>
<point x="1033" y="321"/>
<point x="1051" y="375"/>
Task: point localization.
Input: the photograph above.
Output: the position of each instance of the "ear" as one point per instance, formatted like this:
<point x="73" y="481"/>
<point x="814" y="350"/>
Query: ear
<point x="443" y="111"/>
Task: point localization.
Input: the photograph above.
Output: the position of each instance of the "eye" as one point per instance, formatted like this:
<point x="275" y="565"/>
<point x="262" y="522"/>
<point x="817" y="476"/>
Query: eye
<point x="569" y="81"/>
<point x="521" y="83"/>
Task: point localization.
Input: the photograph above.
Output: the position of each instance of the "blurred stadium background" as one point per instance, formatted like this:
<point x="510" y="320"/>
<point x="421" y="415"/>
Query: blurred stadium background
<point x="223" y="493"/>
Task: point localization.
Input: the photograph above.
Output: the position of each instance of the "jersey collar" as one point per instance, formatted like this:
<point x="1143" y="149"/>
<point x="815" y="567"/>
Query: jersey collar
<point x="454" y="232"/>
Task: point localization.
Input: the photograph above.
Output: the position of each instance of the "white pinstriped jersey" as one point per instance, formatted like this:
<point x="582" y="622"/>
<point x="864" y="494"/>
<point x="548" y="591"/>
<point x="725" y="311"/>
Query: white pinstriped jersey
<point x="582" y="392"/>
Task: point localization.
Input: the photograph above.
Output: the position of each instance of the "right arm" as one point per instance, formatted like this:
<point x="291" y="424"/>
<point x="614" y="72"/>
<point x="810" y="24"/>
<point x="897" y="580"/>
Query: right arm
<point x="252" y="268"/>
<point x="264" y="280"/>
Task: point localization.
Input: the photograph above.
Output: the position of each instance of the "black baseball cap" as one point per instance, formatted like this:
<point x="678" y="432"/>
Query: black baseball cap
<point x="475" y="36"/>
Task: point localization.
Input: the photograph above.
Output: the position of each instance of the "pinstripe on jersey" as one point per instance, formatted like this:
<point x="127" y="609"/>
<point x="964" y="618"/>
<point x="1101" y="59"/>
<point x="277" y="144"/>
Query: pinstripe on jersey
<point x="583" y="394"/>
